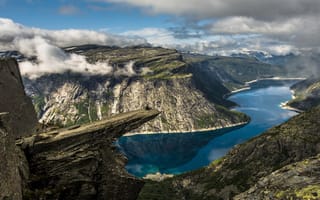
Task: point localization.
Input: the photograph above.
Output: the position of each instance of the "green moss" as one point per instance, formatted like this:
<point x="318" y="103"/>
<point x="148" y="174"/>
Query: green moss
<point x="157" y="191"/>
<point x="93" y="111"/>
<point x="205" y="121"/>
<point x="309" y="193"/>
<point x="104" y="109"/>
<point x="82" y="108"/>
<point x="39" y="103"/>
<point x="216" y="162"/>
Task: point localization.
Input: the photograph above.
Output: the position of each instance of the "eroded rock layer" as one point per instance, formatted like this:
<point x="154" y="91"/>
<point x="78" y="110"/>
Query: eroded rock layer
<point x="82" y="162"/>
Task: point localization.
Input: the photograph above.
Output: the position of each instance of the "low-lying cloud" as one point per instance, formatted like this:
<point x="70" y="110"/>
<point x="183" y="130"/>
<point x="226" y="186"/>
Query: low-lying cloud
<point x="258" y="9"/>
<point x="50" y="58"/>
<point x="218" y="44"/>
<point x="295" y="22"/>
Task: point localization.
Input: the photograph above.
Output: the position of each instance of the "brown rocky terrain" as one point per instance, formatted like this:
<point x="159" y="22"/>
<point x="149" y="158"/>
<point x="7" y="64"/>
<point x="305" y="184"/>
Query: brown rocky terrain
<point x="79" y="162"/>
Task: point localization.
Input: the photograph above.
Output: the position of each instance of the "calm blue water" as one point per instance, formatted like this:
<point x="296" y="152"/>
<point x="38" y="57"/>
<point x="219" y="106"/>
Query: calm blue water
<point x="178" y="153"/>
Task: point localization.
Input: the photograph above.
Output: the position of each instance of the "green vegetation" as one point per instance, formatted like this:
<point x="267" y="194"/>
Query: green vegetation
<point x="39" y="103"/>
<point x="311" y="192"/>
<point x="243" y="166"/>
<point x="307" y="94"/>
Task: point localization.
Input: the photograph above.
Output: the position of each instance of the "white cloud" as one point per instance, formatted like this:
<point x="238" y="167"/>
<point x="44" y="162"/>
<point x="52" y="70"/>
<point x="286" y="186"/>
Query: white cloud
<point x="217" y="44"/>
<point x="300" y="31"/>
<point x="68" y="10"/>
<point x="204" y="9"/>
<point x="155" y="36"/>
<point x="45" y="45"/>
<point x="11" y="31"/>
<point x="293" y="21"/>
<point x="51" y="59"/>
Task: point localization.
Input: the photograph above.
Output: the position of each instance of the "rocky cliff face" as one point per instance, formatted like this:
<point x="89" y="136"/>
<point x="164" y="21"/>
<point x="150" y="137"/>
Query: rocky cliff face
<point x="14" y="100"/>
<point x="158" y="78"/>
<point x="296" y="181"/>
<point x="81" y="162"/>
<point x="243" y="166"/>
<point x="307" y="94"/>
<point x="74" y="163"/>
<point x="13" y="166"/>
<point x="17" y="118"/>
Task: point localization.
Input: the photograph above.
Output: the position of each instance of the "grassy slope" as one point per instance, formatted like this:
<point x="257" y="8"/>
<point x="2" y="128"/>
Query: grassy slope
<point x="307" y="94"/>
<point x="244" y="165"/>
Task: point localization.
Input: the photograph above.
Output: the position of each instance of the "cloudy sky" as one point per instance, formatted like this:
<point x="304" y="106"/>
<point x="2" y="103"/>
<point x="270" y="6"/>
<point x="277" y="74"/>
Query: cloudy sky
<point x="204" y="26"/>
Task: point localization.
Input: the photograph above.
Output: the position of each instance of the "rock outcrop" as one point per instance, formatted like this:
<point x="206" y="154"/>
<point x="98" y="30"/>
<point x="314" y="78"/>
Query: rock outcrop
<point x="17" y="118"/>
<point x="294" y="141"/>
<point x="81" y="162"/>
<point x="159" y="78"/>
<point x="14" y="100"/>
<point x="295" y="181"/>
<point x="306" y="93"/>
<point x="13" y="165"/>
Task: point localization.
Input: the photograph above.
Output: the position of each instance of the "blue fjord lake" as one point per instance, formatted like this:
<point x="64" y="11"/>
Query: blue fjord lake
<point x="180" y="152"/>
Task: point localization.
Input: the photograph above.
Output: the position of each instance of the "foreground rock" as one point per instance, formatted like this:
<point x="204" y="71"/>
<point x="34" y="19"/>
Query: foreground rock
<point x="294" y="141"/>
<point x="14" y="100"/>
<point x="76" y="163"/>
<point x="81" y="162"/>
<point x="17" y="118"/>
<point x="296" y="181"/>
<point x="306" y="93"/>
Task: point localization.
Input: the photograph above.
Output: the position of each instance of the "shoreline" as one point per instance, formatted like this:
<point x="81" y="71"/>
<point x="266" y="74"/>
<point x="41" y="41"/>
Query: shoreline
<point x="247" y="87"/>
<point x="191" y="131"/>
<point x="276" y="78"/>
<point x="286" y="107"/>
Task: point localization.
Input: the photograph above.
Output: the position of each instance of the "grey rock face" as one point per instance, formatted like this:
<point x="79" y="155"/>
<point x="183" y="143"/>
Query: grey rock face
<point x="14" y="100"/>
<point x="162" y="80"/>
<point x="10" y="184"/>
<point x="17" y="119"/>
<point x="246" y="164"/>
<point x="300" y="180"/>
<point x="82" y="163"/>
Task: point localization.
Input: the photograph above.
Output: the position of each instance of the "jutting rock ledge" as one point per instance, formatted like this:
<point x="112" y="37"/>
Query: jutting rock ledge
<point x="76" y="163"/>
<point x="83" y="163"/>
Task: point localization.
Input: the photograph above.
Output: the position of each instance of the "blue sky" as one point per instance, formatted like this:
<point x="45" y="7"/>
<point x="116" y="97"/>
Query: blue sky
<point x="202" y="26"/>
<point x="215" y="27"/>
<point x="49" y="14"/>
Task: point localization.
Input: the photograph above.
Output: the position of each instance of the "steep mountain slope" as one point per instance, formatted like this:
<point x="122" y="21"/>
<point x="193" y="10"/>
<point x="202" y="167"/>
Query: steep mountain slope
<point x="142" y="77"/>
<point x="233" y="72"/>
<point x="307" y="94"/>
<point x="17" y="118"/>
<point x="296" y="181"/>
<point x="243" y="166"/>
<point x="14" y="100"/>
<point x="81" y="162"/>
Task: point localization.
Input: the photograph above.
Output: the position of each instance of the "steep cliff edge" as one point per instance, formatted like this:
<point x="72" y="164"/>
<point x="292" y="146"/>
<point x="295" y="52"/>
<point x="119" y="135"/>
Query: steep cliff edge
<point x="14" y="100"/>
<point x="296" y="181"/>
<point x="306" y="93"/>
<point x="140" y="77"/>
<point x="74" y="163"/>
<point x="81" y="162"/>
<point x="244" y="165"/>
<point x="17" y="118"/>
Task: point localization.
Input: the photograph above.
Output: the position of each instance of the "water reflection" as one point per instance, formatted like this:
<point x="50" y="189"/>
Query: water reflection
<point x="177" y="153"/>
<point x="159" y="152"/>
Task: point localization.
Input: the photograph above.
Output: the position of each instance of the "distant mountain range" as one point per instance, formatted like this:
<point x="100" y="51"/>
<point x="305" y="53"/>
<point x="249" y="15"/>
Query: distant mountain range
<point x="189" y="90"/>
